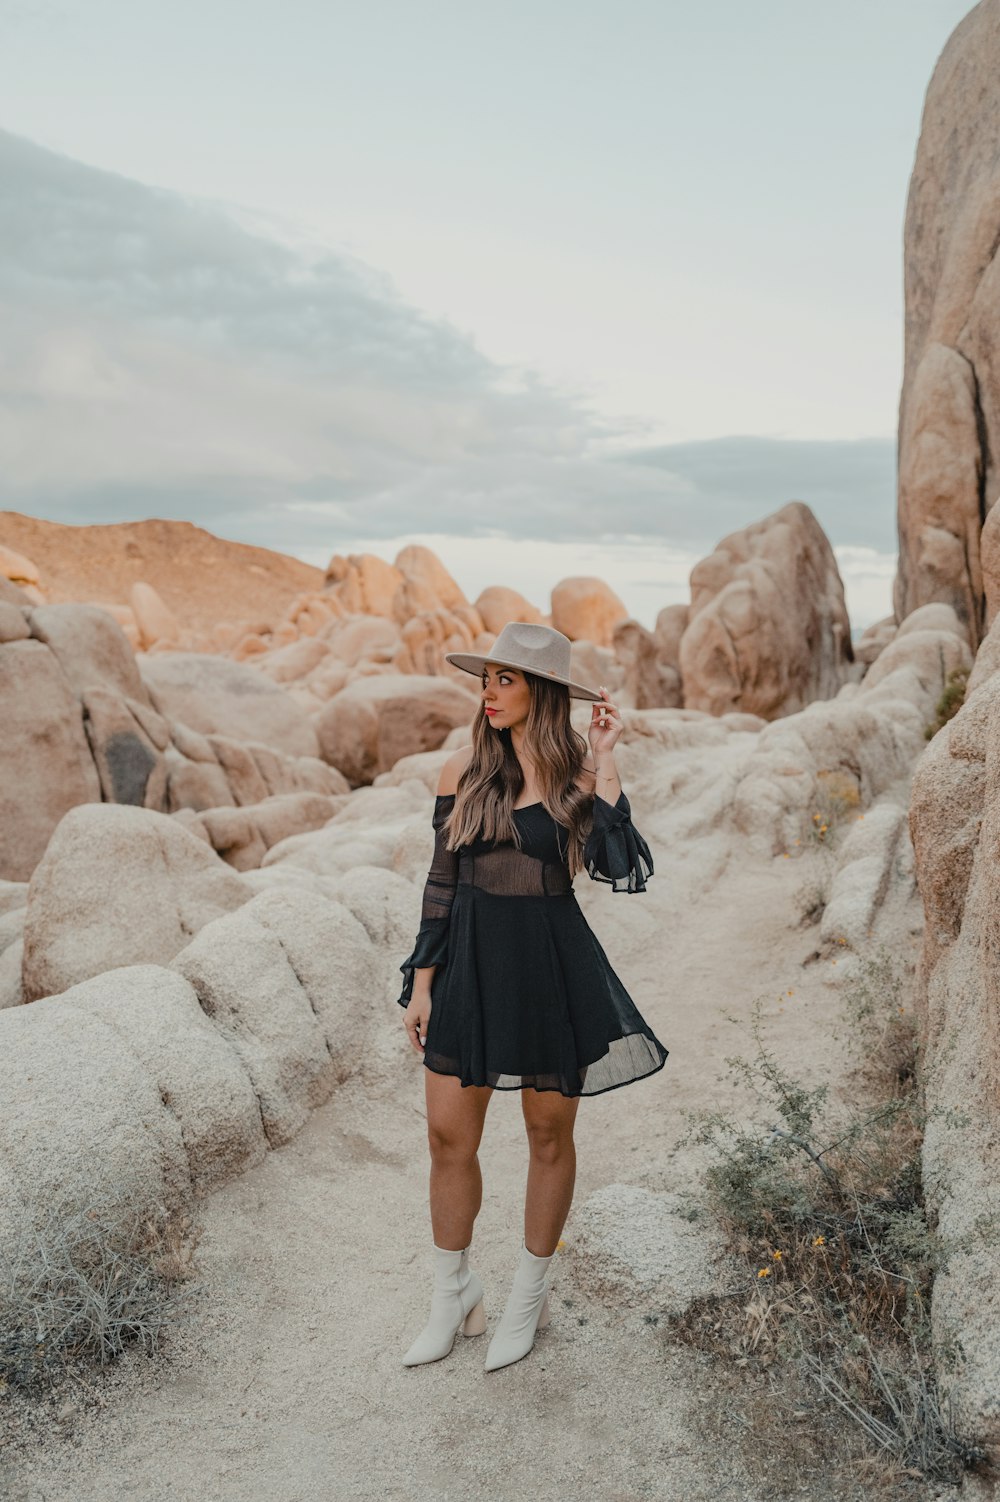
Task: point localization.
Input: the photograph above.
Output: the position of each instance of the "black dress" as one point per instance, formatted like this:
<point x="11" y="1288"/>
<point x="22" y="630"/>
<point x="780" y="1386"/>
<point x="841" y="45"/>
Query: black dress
<point x="524" y="995"/>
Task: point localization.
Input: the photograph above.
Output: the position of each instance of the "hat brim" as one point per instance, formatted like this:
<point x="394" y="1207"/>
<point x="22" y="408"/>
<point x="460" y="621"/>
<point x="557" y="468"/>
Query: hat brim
<point x="471" y="663"/>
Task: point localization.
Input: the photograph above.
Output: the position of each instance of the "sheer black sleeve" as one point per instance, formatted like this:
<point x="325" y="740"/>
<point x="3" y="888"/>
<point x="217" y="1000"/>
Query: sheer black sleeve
<point x="431" y="947"/>
<point x="615" y="851"/>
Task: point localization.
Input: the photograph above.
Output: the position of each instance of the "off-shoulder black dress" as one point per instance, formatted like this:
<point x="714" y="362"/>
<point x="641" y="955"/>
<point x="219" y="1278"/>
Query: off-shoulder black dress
<point x="524" y="995"/>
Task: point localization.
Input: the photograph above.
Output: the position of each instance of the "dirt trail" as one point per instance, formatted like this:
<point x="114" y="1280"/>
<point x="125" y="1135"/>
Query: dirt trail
<point x="286" y="1384"/>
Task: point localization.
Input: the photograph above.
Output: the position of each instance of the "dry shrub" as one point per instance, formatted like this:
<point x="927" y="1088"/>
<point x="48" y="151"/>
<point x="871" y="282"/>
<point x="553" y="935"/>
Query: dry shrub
<point x="951" y="700"/>
<point x="824" y="1206"/>
<point x="87" y="1283"/>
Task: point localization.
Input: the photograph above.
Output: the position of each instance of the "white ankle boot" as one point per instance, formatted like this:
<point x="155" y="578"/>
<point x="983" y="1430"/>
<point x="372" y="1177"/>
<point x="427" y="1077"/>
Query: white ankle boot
<point x="456" y="1301"/>
<point x="526" y="1310"/>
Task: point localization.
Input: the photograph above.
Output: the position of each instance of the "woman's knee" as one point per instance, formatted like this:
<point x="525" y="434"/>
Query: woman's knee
<point x="549" y="1143"/>
<point x="450" y="1143"/>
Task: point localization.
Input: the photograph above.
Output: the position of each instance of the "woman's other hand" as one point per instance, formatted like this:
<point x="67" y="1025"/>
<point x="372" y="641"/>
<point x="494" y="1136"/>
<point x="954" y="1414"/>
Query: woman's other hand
<point x="415" y="1020"/>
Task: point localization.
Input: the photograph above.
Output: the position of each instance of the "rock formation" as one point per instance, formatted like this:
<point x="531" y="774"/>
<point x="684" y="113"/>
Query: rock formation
<point x="767" y="630"/>
<point x="955" y="824"/>
<point x="949" y="418"/>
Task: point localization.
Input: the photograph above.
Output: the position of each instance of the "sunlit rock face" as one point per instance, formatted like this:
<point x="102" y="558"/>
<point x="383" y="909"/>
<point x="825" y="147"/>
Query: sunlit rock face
<point x="768" y="630"/>
<point x="949" y="420"/>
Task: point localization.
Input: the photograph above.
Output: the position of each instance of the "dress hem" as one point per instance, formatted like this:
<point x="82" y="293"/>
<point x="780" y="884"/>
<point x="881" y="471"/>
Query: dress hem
<point x="552" y="1089"/>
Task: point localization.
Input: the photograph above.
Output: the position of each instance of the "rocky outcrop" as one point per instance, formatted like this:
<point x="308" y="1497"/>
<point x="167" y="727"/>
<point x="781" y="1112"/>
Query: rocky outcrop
<point x="852" y="748"/>
<point x="118" y="886"/>
<point x="219" y="697"/>
<point x="955" y="826"/>
<point x="498" y="605"/>
<point x="45" y="761"/>
<point x="149" y="1085"/>
<point x="374" y="721"/>
<point x="243" y="836"/>
<point x="949" y="419"/>
<point x="768" y="630"/>
<point x="586" y="607"/>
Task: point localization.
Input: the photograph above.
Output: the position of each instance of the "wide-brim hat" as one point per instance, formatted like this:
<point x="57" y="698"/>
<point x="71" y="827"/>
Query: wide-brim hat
<point x="533" y="649"/>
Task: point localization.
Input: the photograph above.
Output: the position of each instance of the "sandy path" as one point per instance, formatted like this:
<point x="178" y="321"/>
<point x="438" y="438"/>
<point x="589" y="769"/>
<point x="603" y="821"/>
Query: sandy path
<point x="286" y="1384"/>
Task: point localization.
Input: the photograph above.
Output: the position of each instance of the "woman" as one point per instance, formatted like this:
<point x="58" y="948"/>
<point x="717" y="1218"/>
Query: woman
<point x="507" y="987"/>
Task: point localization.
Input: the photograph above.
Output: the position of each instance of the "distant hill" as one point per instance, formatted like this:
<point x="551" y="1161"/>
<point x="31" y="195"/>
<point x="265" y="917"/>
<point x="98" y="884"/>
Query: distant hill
<point x="203" y="578"/>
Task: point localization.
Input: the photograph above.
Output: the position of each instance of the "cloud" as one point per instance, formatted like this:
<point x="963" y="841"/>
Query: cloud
<point x="850" y="485"/>
<point x="166" y="356"/>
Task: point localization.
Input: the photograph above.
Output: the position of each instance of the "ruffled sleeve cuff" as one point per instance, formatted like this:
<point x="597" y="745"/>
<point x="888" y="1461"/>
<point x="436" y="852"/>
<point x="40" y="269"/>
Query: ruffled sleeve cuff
<point x="431" y="948"/>
<point x="615" y="851"/>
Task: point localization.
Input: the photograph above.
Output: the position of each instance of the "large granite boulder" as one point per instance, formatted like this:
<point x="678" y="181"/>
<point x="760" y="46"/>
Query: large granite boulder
<point x="955" y="825"/>
<point x="119" y="886"/>
<point x="374" y="721"/>
<point x="45" y="762"/>
<point x="586" y="608"/>
<point x="949" y="428"/>
<point x="219" y="697"/>
<point x="768" y="630"/>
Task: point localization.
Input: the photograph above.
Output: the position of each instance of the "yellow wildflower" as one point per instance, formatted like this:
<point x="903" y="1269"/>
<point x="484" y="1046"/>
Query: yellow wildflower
<point x="819" y="1241"/>
<point x="764" y="1272"/>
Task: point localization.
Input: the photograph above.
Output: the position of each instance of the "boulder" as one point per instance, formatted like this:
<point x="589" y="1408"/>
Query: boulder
<point x="874" y="639"/>
<point x="949" y="428"/>
<point x="363" y="583"/>
<point x="45" y="761"/>
<point x="83" y="1126"/>
<point x="13" y="623"/>
<point x="497" y="606"/>
<point x="118" y="886"/>
<point x="289" y="664"/>
<point x="955" y="825"/>
<point x="586" y="608"/>
<point x="154" y="621"/>
<point x="648" y="682"/>
<point x="289" y="984"/>
<point x="354" y="639"/>
<point x="427" y="636"/>
<point x="18" y="569"/>
<point x="219" y="697"/>
<point x="426" y="576"/>
<point x="90" y="648"/>
<point x="242" y="836"/>
<point x="154" y="1014"/>
<point x="849" y="749"/>
<point x="131" y="767"/>
<point x="370" y="724"/>
<point x="768" y="630"/>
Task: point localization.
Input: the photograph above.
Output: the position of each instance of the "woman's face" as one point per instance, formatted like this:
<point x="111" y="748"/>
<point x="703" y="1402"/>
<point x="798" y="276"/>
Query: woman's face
<point x="506" y="696"/>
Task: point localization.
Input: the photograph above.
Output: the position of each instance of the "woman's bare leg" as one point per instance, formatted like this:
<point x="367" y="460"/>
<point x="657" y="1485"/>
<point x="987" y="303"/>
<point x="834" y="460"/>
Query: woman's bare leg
<point x="455" y="1117"/>
<point x="548" y="1119"/>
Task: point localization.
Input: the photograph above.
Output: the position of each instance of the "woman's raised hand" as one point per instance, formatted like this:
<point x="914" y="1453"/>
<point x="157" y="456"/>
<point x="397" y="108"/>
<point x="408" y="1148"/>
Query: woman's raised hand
<point x="605" y="724"/>
<point x="415" y="1020"/>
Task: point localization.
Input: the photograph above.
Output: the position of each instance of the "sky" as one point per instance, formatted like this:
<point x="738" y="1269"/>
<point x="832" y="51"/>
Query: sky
<point x="557" y="288"/>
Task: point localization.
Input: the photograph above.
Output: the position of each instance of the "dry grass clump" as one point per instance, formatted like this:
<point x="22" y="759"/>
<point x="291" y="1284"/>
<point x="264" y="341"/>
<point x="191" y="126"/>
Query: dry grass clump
<point x="88" y="1283"/>
<point x="951" y="700"/>
<point x="823" y="1204"/>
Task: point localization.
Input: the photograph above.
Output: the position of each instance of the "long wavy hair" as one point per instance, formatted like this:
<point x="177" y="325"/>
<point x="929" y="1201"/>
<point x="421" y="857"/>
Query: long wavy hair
<point x="492" y="782"/>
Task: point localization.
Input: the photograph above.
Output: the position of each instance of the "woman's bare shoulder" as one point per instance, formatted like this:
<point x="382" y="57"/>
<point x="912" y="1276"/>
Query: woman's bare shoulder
<point x="453" y="769"/>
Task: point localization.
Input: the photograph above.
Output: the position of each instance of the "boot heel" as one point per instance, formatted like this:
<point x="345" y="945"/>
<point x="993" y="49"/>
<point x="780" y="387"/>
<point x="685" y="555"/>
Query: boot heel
<point x="475" y="1320"/>
<point x="543" y="1318"/>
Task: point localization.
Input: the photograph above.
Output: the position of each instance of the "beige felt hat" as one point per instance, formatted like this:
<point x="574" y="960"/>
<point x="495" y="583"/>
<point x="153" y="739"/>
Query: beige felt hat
<point x="534" y="649"/>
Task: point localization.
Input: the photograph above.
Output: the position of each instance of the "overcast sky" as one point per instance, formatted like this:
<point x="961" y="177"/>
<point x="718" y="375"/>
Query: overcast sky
<point x="615" y="279"/>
